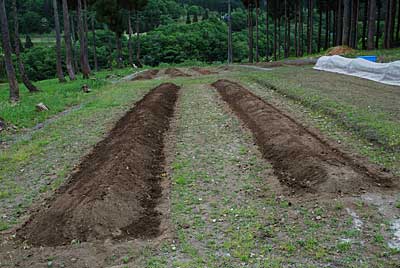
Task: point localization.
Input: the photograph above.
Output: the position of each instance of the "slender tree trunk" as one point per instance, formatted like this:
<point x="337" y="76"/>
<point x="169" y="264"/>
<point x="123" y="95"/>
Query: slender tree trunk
<point x="96" y="64"/>
<point x="392" y="23"/>
<point x="60" y="73"/>
<point x="230" y="48"/>
<point x="378" y="26"/>
<point x="139" y="64"/>
<point x="398" y="24"/>
<point x="12" y="79"/>
<point x="310" y="26"/>
<point x="339" y="29"/>
<point x="320" y="28"/>
<point x="67" y="38"/>
<point x="250" y="37"/>
<point x="289" y="39"/>
<point x="82" y="44"/>
<point x="275" y="36"/>
<point x="257" y="32"/>
<point x="354" y="24"/>
<point x="389" y="23"/>
<point x="346" y="22"/>
<point x="301" y="26"/>
<point x="365" y="25"/>
<point x="285" y="40"/>
<point x="279" y="38"/>
<point x="86" y="28"/>
<point x="21" y="66"/>
<point x="327" y="25"/>
<point x="73" y="38"/>
<point x="267" y="30"/>
<point x="296" y="30"/>
<point x="130" y="47"/>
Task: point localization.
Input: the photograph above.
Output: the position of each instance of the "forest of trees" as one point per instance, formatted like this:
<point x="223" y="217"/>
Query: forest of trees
<point x="90" y="35"/>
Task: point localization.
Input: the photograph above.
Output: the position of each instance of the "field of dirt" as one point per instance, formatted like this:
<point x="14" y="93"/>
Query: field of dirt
<point x="146" y="75"/>
<point x="300" y="158"/>
<point x="114" y="192"/>
<point x="174" y="72"/>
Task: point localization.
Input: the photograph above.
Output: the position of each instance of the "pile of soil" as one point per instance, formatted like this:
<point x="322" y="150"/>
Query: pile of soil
<point x="174" y="72"/>
<point x="301" y="159"/>
<point x="340" y="50"/>
<point x="202" y="71"/>
<point x="146" y="75"/>
<point x="116" y="189"/>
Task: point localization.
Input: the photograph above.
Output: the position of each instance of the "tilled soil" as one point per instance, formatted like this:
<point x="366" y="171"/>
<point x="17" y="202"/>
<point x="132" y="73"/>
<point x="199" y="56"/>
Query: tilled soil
<point x="202" y="71"/>
<point x="115" y="191"/>
<point x="146" y="75"/>
<point x="174" y="72"/>
<point x="301" y="159"/>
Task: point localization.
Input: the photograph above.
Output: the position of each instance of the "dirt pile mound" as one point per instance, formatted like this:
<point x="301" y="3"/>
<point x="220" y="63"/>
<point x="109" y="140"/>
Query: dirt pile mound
<point x="340" y="50"/>
<point x="174" y="72"/>
<point x="115" y="191"/>
<point x="146" y="75"/>
<point x="300" y="158"/>
<point x="202" y="71"/>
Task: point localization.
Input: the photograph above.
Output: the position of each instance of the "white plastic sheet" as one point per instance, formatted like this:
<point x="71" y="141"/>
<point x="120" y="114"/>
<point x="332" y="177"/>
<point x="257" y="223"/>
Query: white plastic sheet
<point x="386" y="73"/>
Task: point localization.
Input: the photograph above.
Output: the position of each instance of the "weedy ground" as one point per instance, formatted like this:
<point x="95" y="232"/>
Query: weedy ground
<point x="227" y="207"/>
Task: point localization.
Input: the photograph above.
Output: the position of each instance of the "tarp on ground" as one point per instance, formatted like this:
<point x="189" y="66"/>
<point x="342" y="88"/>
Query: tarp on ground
<point x="386" y="73"/>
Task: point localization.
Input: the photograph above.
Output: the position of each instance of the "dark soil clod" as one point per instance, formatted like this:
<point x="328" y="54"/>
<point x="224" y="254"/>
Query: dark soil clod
<point x="116" y="189"/>
<point x="301" y="159"/>
<point x="174" y="72"/>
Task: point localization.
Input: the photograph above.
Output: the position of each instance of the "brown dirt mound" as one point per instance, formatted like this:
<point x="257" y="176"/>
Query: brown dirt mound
<point x="202" y="71"/>
<point x="146" y="75"/>
<point x="174" y="72"/>
<point x="115" y="191"/>
<point x="340" y="50"/>
<point x="301" y="159"/>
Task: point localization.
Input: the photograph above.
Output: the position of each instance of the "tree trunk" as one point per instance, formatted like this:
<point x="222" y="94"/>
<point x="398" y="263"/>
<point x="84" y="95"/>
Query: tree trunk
<point x="82" y="44"/>
<point x="257" y="32"/>
<point x="365" y="25"/>
<point x="339" y="28"/>
<point x="138" y="63"/>
<point x="378" y="26"/>
<point x="21" y="66"/>
<point x="86" y="29"/>
<point x="250" y="37"/>
<point x="346" y="22"/>
<point x="279" y="38"/>
<point x="60" y="73"/>
<point x="110" y="54"/>
<point x="389" y="23"/>
<point x="12" y="79"/>
<point x="301" y="26"/>
<point x="296" y="30"/>
<point x="275" y="36"/>
<point x="327" y="25"/>
<point x="67" y="38"/>
<point x="354" y="24"/>
<point x="320" y="28"/>
<point x="96" y="64"/>
<point x="266" y="30"/>
<point x="285" y="41"/>
<point x="130" y="47"/>
<point x="398" y="24"/>
<point x="230" y="48"/>
<point x="73" y="38"/>
<point x="310" y="27"/>
<point x="289" y="39"/>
